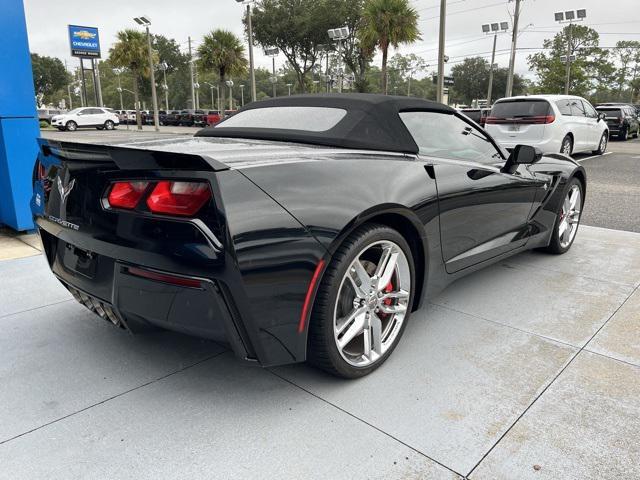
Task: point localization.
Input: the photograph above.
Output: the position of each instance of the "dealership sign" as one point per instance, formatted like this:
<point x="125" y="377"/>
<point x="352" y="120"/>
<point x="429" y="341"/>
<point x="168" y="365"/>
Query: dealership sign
<point x="84" y="41"/>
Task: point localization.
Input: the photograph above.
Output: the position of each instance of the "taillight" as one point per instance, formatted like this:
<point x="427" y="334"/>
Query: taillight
<point x="533" y="120"/>
<point x="549" y="119"/>
<point x="178" y="198"/>
<point x="126" y="194"/>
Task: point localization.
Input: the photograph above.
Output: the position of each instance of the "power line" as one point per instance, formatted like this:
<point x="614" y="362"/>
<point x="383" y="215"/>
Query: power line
<point x="464" y="11"/>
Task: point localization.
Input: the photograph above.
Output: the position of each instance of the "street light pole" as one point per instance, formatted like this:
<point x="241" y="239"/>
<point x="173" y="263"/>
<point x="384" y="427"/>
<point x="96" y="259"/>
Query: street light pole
<point x="165" y="86"/>
<point x="339" y="35"/>
<point x="191" y="80"/>
<point x="495" y="29"/>
<point x="229" y="84"/>
<point x="146" y="22"/>
<point x="289" y="85"/>
<point x="441" y="37"/>
<point x="242" y="94"/>
<point x="569" y="17"/>
<point x="273" y="53"/>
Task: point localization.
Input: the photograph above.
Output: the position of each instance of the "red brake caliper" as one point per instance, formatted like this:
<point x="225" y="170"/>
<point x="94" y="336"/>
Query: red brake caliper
<point x="388" y="289"/>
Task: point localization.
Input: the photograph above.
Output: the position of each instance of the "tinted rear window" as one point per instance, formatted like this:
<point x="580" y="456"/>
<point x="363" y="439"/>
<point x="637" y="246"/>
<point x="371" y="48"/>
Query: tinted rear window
<point x="610" y="112"/>
<point x="310" y="119"/>
<point x="520" y="109"/>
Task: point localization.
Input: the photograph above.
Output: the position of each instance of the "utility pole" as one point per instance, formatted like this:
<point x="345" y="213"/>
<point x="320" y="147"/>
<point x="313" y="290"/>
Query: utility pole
<point x="193" y="93"/>
<point x="514" y="41"/>
<point x="568" y="73"/>
<point x="242" y="94"/>
<point x="443" y="14"/>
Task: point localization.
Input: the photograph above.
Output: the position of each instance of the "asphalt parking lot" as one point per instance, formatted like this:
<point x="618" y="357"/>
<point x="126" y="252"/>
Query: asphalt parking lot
<point x="528" y="369"/>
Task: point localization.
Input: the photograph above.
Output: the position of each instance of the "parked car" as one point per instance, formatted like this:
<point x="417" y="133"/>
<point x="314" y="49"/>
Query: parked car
<point x="213" y="117"/>
<point x="131" y="117"/>
<point x="192" y="117"/>
<point x="478" y="115"/>
<point x="172" y="118"/>
<point x="552" y="123"/>
<point x="622" y="120"/>
<point x="289" y="252"/>
<point x="45" y="114"/>
<point x="95" y="117"/>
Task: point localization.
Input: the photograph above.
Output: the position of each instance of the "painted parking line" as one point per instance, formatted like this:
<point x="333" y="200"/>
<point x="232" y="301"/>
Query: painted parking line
<point x="592" y="156"/>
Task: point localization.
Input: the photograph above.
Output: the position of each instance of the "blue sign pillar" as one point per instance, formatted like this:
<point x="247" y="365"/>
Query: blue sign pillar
<point x="18" y="119"/>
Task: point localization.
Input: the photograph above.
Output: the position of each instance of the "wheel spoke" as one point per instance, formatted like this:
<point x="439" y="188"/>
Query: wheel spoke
<point x="399" y="295"/>
<point x="373" y="339"/>
<point x="573" y="198"/>
<point x="400" y="308"/>
<point x="562" y="228"/>
<point x="342" y="324"/>
<point x="386" y="267"/>
<point x="360" y="279"/>
<point x="353" y="330"/>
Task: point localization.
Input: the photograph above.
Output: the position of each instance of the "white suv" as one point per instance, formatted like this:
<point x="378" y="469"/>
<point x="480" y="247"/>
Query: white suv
<point x="553" y="123"/>
<point x="100" y="118"/>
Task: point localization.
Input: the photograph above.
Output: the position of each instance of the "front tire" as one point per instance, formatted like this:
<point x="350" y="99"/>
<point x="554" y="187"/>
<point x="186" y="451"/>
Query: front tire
<point x="602" y="146"/>
<point x="567" y="145"/>
<point x="109" y="125"/>
<point x="567" y="219"/>
<point x="363" y="303"/>
<point x="71" y="126"/>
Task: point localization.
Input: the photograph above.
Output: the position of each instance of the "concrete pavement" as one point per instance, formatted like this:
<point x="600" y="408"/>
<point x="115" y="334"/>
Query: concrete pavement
<point x="527" y="369"/>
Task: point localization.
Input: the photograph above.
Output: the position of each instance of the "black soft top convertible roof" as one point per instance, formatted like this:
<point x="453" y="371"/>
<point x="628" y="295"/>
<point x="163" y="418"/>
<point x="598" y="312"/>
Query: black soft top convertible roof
<point x="371" y="123"/>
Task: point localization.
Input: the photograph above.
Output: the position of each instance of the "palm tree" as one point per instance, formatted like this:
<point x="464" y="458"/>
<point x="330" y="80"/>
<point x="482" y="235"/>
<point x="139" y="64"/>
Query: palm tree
<point x="388" y="23"/>
<point x="222" y="52"/>
<point x="131" y="52"/>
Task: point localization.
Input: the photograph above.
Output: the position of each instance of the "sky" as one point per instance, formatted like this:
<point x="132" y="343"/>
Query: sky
<point x="615" y="20"/>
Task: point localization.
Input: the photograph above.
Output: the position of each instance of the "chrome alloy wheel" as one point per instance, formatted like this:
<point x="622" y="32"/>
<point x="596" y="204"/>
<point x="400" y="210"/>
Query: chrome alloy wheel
<point x="372" y="303"/>
<point x="570" y="216"/>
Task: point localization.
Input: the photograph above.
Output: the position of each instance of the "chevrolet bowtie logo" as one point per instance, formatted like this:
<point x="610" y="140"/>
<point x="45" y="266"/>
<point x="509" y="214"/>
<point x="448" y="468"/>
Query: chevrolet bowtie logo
<point x="64" y="192"/>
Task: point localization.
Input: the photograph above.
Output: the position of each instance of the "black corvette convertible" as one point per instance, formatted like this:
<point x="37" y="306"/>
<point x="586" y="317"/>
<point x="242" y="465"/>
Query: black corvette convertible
<point x="302" y="228"/>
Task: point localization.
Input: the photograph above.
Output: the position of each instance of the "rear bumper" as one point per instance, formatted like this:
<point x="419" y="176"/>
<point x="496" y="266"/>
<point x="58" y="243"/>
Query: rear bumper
<point x="109" y="288"/>
<point x="546" y="145"/>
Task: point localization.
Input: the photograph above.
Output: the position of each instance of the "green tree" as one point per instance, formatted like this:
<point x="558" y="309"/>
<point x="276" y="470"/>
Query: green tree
<point x="131" y="52"/>
<point x="49" y="76"/>
<point x="590" y="69"/>
<point x="402" y="71"/>
<point x="298" y="28"/>
<point x="388" y="23"/>
<point x="471" y="79"/>
<point x="357" y="57"/>
<point x="222" y="52"/>
<point x="627" y="54"/>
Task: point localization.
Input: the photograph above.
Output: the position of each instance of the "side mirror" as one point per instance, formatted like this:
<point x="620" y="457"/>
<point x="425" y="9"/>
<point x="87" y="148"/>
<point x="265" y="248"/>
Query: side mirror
<point x="521" y="155"/>
<point x="601" y="116"/>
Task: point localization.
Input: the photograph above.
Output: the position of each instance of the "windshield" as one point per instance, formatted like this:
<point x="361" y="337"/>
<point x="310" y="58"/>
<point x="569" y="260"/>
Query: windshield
<point x="311" y="119"/>
<point x="520" y="109"/>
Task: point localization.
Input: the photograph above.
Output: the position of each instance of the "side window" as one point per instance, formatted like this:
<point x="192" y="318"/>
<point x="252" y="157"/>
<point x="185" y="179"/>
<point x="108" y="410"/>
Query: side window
<point x="589" y="110"/>
<point x="564" y="106"/>
<point x="448" y="136"/>
<point x="577" y="109"/>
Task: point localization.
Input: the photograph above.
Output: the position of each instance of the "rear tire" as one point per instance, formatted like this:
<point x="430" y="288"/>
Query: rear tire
<point x="567" y="219"/>
<point x="71" y="126"/>
<point x="624" y="134"/>
<point x="567" y="145"/>
<point x="602" y="146"/>
<point x="352" y="303"/>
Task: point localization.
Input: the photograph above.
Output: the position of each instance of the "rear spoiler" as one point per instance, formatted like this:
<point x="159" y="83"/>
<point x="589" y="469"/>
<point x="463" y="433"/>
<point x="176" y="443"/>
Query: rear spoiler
<point x="127" y="158"/>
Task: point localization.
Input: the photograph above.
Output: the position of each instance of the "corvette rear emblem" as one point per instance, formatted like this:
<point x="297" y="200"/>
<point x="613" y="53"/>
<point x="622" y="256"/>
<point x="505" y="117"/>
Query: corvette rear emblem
<point x="64" y="192"/>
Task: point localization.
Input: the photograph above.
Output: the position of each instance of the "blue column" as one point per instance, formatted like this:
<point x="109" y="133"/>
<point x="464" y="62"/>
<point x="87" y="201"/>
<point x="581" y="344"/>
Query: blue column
<point x="18" y="119"/>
